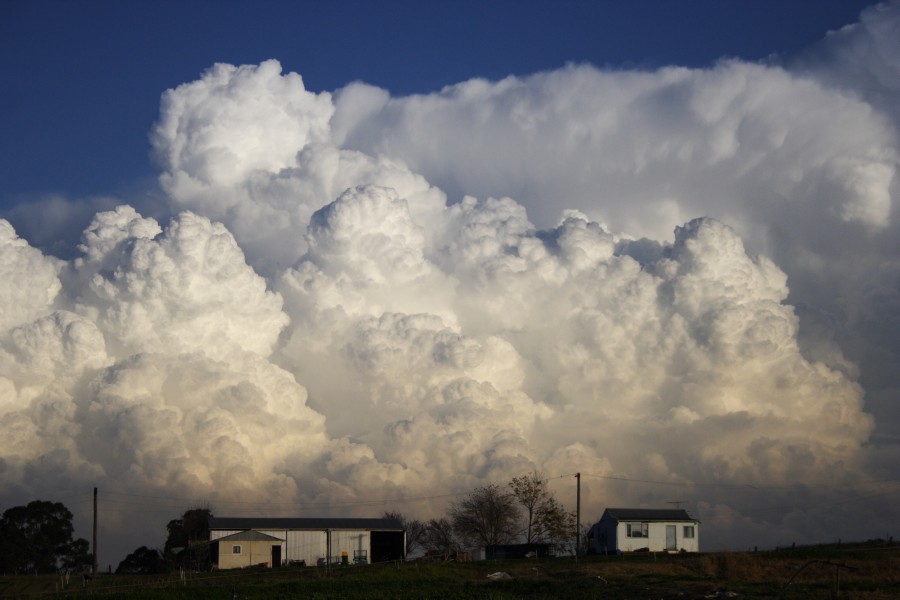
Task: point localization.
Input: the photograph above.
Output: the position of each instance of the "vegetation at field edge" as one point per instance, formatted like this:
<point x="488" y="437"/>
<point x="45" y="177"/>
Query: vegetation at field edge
<point x="851" y="571"/>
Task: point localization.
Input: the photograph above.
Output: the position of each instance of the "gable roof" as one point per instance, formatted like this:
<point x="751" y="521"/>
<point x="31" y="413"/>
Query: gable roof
<point x="304" y="523"/>
<point x="249" y="536"/>
<point x="648" y="514"/>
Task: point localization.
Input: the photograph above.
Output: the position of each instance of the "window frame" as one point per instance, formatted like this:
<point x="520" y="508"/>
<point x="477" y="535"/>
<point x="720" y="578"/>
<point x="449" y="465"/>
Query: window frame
<point x="688" y="532"/>
<point x="236" y="549"/>
<point x="637" y="529"/>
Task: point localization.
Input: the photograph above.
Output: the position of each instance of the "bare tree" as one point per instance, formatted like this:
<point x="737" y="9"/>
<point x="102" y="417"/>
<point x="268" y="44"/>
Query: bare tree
<point x="439" y="537"/>
<point x="415" y="531"/>
<point x="557" y="525"/>
<point x="529" y="491"/>
<point x="545" y="518"/>
<point x="486" y="517"/>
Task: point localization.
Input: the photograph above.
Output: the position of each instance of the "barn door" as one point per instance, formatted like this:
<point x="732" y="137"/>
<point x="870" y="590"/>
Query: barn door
<point x="670" y="537"/>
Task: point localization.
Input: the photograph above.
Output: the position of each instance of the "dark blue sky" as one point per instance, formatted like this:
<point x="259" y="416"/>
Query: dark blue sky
<point x="81" y="80"/>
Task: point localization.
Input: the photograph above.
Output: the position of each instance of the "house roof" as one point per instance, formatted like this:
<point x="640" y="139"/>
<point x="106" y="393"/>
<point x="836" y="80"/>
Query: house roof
<point x="649" y="514"/>
<point x="249" y="536"/>
<point x="304" y="523"/>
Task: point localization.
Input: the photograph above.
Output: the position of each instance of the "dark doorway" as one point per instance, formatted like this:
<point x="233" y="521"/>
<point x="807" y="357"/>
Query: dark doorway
<point x="276" y="555"/>
<point x="387" y="546"/>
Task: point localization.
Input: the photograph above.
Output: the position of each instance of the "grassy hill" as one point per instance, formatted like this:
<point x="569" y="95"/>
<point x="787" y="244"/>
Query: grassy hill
<point x="869" y="571"/>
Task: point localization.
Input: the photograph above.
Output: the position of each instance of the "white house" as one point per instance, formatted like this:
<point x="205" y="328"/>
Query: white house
<point x="241" y="542"/>
<point x="654" y="530"/>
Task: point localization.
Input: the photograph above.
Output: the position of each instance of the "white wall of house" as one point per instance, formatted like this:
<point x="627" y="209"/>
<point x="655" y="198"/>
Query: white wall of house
<point x="657" y="539"/>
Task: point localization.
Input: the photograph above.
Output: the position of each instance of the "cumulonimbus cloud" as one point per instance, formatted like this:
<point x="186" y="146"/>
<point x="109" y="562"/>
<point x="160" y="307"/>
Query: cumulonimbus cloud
<point x="358" y="294"/>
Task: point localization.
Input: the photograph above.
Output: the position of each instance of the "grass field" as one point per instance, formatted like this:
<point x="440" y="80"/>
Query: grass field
<point x="868" y="571"/>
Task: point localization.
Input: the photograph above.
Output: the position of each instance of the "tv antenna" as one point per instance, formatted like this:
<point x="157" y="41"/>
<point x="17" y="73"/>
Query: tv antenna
<point x="677" y="503"/>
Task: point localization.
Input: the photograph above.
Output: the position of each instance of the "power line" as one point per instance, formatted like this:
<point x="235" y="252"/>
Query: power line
<point x="119" y="500"/>
<point x="757" y="486"/>
<point x="149" y="500"/>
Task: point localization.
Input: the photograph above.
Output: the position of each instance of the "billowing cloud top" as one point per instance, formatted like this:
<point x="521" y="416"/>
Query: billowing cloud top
<point x="320" y="323"/>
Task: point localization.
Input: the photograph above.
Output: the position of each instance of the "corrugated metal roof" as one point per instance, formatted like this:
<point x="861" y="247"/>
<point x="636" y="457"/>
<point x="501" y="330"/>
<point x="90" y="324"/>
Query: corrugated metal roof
<point x="304" y="523"/>
<point x="249" y="536"/>
<point x="649" y="514"/>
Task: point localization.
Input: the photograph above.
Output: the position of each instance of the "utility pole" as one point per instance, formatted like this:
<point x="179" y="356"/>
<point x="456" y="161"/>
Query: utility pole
<point x="578" y="514"/>
<point x="94" y="547"/>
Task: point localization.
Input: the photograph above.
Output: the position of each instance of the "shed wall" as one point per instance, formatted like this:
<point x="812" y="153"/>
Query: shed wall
<point x="252" y="553"/>
<point x="306" y="545"/>
<point x="351" y="542"/>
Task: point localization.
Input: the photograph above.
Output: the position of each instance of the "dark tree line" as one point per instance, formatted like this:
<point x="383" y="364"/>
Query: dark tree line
<point x="187" y="546"/>
<point x="37" y="538"/>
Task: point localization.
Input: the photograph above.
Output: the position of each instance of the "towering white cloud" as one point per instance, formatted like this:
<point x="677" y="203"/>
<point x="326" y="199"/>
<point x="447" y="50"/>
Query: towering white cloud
<point x="187" y="290"/>
<point x="252" y="148"/>
<point x="217" y="131"/>
<point x="317" y="320"/>
<point x="32" y="280"/>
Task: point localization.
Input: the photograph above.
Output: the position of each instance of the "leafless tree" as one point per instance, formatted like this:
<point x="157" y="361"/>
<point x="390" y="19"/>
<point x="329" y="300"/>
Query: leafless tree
<point x="530" y="491"/>
<point x="485" y="517"/>
<point x="440" y="538"/>
<point x="545" y="518"/>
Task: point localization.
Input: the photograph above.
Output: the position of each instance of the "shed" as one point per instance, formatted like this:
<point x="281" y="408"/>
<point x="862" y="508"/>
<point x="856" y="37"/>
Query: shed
<point x="312" y="540"/>
<point x="247" y="548"/>
<point x="647" y="529"/>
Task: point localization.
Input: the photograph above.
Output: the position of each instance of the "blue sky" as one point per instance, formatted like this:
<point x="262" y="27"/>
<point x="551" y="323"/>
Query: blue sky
<point x="82" y="79"/>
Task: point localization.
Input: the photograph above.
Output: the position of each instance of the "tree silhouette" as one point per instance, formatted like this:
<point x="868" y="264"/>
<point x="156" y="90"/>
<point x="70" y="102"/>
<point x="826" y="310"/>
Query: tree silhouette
<point x="545" y="518"/>
<point x="144" y="561"/>
<point x="440" y="538"/>
<point x="37" y="538"/>
<point x="486" y="517"/>
<point x="187" y="543"/>
<point x="415" y="531"/>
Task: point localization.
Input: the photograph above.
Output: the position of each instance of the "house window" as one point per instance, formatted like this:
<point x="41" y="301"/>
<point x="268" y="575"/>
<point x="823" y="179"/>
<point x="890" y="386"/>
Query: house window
<point x="688" y="531"/>
<point x="235" y="549"/>
<point x="637" y="530"/>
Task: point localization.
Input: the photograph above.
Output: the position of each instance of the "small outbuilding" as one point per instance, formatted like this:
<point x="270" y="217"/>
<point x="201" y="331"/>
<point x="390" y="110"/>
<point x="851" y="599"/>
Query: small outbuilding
<point x="248" y="548"/>
<point x="645" y="529"/>
<point x="241" y="542"/>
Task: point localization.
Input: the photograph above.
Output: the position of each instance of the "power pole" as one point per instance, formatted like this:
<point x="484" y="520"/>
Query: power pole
<point x="578" y="514"/>
<point x="94" y="547"/>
